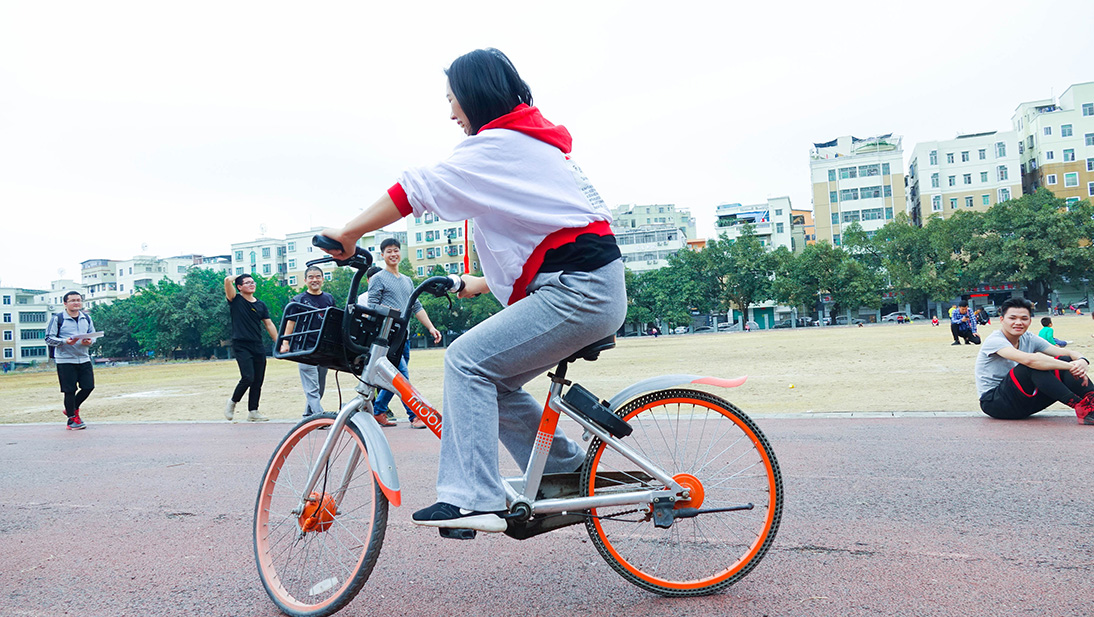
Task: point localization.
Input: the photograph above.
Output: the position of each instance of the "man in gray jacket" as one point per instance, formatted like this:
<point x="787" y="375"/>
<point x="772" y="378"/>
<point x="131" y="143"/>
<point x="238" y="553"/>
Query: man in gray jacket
<point x="70" y="353"/>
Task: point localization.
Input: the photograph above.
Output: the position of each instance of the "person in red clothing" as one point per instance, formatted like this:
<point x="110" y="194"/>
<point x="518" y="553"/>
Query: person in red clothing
<point x="547" y="251"/>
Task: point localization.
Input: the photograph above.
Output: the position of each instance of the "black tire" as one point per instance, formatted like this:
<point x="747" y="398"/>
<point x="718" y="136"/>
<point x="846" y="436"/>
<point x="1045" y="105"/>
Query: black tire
<point x="717" y="449"/>
<point x="317" y="572"/>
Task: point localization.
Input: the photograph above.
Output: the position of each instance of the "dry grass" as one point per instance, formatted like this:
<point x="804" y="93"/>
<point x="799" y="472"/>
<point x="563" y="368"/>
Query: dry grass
<point x="842" y="369"/>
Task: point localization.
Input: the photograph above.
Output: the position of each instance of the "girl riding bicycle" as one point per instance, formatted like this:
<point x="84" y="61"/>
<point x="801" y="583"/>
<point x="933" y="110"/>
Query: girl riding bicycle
<point x="547" y="251"/>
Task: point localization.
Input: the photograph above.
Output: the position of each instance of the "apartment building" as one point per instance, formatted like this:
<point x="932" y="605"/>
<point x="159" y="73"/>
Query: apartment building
<point x="139" y="272"/>
<point x="265" y="256"/>
<point x="1056" y="146"/>
<point x="299" y="251"/>
<point x="432" y="242"/>
<point x="23" y="321"/>
<point x="100" y="281"/>
<point x="856" y="181"/>
<point x="970" y="172"/>
<point x="648" y="235"/>
<point x="772" y="222"/>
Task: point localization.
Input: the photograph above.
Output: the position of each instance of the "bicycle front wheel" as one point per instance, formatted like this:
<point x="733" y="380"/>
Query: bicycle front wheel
<point x="314" y="559"/>
<point x="735" y="494"/>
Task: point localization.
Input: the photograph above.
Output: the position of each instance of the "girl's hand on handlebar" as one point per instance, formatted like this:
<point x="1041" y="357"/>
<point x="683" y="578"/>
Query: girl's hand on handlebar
<point x="349" y="243"/>
<point x="472" y="286"/>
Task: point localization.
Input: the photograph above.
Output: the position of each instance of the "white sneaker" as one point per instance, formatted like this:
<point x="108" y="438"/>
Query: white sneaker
<point x="230" y="409"/>
<point x="254" y="416"/>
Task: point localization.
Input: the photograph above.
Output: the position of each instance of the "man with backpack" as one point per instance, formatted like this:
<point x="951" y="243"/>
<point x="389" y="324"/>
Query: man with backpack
<point x="70" y="352"/>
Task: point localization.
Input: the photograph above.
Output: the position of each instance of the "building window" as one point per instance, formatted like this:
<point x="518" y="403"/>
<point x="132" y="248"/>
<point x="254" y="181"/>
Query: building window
<point x="253" y="258"/>
<point x="1090" y="188"/>
<point x="968" y="202"/>
<point x="1029" y="142"/>
<point x="292" y="280"/>
<point x="1001" y="148"/>
<point x="1048" y="130"/>
<point x="934" y="157"/>
<point x="952" y="180"/>
<point x="835" y="240"/>
<point x="1069" y="154"/>
<point x="985" y="200"/>
<point x="1065" y="130"/>
<point x="848" y="194"/>
<point x="239" y="255"/>
<point x="983" y="152"/>
<point x="885" y="169"/>
<point x="1088" y="109"/>
<point x="983" y="176"/>
<point x="328" y="276"/>
<point x="965" y="156"/>
<point x="934" y="181"/>
<point x="832" y="197"/>
<point x="32" y="335"/>
<point x="1089" y="139"/>
<point x="953" y="203"/>
<point x="868" y="170"/>
<point x="949" y="157"/>
<point x="292" y="247"/>
<point x="418" y="237"/>
<point x="419" y="253"/>
<point x="835" y="218"/>
<point x="1002" y="170"/>
<point x="420" y="271"/>
<point x="239" y="271"/>
<point x="1004" y="195"/>
<point x="7" y="335"/>
<point x="967" y="178"/>
<point x="936" y="203"/>
<point x="848" y="172"/>
<point x="1090" y="164"/>
<point x="831" y="175"/>
<point x="778" y="228"/>
<point x="266" y="269"/>
<point x="867" y="192"/>
<point x="9" y="352"/>
<point x="7" y="317"/>
<point x="1071" y="179"/>
<point x="888" y="190"/>
<point x="292" y="264"/>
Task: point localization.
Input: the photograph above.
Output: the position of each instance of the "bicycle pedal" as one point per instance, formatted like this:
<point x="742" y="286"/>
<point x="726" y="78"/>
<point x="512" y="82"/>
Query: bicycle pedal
<point x="453" y="533"/>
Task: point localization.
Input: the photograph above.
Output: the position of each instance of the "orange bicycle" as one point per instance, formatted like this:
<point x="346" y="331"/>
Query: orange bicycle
<point x="680" y="491"/>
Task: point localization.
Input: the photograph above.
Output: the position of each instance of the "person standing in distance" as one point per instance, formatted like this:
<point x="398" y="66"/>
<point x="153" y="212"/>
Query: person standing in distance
<point x="312" y="378"/>
<point x="249" y="314"/>
<point x="391" y="288"/>
<point x="74" y="369"/>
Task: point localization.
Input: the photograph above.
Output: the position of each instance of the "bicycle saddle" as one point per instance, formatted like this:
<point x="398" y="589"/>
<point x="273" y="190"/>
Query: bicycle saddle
<point x="592" y="351"/>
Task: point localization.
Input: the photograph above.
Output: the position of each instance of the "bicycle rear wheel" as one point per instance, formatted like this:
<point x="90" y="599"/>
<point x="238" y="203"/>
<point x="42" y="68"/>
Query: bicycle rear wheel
<point x="313" y="562"/>
<point x="716" y="451"/>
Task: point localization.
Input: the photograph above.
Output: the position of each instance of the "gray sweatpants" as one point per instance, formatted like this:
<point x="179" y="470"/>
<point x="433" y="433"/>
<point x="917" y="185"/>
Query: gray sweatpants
<point x="485" y="368"/>
<point x="314" y="380"/>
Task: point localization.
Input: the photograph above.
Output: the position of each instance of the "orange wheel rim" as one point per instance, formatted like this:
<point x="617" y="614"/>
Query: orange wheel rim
<point x="694" y="488"/>
<point x="318" y="513"/>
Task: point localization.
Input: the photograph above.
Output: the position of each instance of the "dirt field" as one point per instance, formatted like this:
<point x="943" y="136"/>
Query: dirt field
<point x="876" y="368"/>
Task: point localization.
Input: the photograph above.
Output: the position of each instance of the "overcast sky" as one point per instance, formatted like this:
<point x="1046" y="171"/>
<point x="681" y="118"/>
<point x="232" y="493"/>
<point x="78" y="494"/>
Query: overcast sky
<point x="186" y="126"/>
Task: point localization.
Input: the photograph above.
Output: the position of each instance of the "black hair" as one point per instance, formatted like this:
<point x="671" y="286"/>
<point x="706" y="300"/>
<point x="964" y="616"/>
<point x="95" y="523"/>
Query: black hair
<point x="1046" y="321"/>
<point x="239" y="279"/>
<point x="487" y="86"/>
<point x="390" y="242"/>
<point x="963" y="303"/>
<point x="1015" y="303"/>
<point x="310" y="268"/>
<point x="72" y="293"/>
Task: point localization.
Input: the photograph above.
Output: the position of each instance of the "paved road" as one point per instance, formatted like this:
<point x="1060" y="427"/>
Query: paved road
<point x="884" y="516"/>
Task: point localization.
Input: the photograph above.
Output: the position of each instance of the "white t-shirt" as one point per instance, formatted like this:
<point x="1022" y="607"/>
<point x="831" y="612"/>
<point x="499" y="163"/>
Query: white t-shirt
<point x="991" y="368"/>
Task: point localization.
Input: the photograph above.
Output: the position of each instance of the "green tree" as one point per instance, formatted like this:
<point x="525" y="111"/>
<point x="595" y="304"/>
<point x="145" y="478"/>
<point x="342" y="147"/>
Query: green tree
<point x="741" y="269"/>
<point x="275" y="296"/>
<point x="1038" y="241"/>
<point x="113" y="320"/>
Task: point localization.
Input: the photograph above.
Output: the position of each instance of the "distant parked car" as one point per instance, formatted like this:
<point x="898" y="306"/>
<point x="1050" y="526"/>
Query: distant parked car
<point x="786" y="323"/>
<point x="841" y="320"/>
<point x="680" y="330"/>
<point x="725" y="325"/>
<point x="704" y="329"/>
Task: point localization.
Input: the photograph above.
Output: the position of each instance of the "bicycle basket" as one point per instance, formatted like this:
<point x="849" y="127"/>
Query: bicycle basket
<point x="316" y="338"/>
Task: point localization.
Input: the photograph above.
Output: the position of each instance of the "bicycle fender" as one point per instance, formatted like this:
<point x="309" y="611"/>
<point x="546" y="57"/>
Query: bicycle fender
<point x="379" y="457"/>
<point x="668" y="381"/>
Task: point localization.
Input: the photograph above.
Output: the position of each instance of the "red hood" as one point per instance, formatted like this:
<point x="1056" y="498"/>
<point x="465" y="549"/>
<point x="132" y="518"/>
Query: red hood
<point x="528" y="120"/>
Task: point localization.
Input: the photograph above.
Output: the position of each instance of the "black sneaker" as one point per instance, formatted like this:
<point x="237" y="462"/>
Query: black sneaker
<point x="955" y="343"/>
<point x="443" y="514"/>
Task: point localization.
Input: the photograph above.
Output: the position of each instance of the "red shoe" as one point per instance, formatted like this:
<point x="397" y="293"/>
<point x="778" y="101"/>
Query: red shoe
<point x="1084" y="409"/>
<point x="75" y="424"/>
<point x="382" y="420"/>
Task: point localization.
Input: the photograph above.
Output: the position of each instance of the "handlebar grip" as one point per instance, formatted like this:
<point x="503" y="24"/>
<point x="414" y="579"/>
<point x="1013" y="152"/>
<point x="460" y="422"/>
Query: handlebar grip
<point x="326" y="243"/>
<point x="457" y="283"/>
